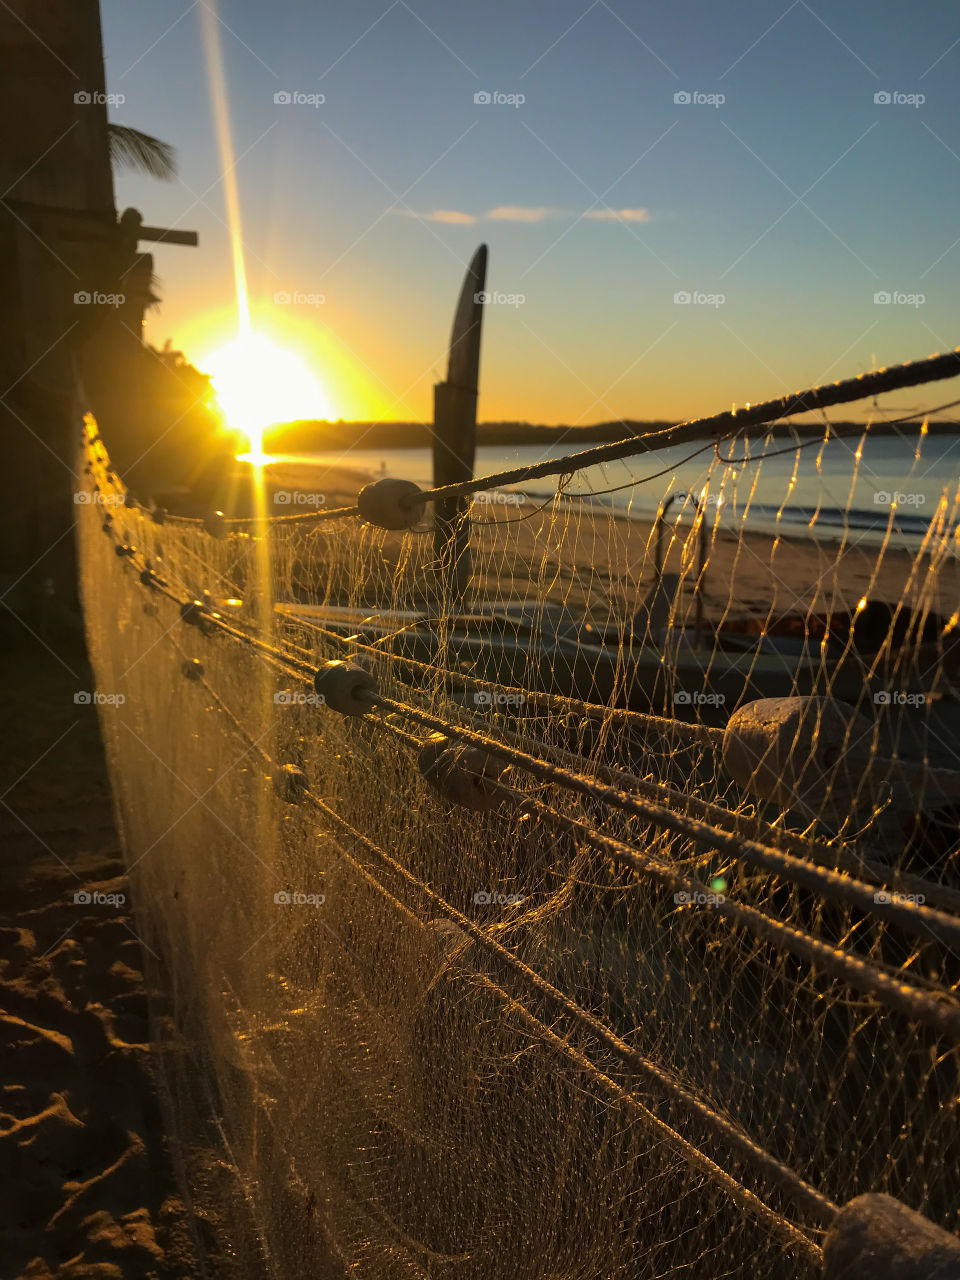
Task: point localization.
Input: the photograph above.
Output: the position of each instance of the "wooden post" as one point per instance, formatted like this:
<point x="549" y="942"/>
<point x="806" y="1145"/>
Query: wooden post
<point x="876" y="1236"/>
<point x="455" y="432"/>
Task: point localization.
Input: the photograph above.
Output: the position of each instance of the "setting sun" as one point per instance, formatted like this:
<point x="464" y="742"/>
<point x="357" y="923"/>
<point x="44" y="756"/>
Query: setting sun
<point x="258" y="383"/>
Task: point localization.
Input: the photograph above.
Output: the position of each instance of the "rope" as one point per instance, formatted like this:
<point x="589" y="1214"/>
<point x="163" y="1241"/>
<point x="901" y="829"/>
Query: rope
<point x="680" y="730"/>
<point x="940" y="1014"/>
<point x="910" y="374"/>
<point x="751" y="1152"/>
<point x="791" y="863"/>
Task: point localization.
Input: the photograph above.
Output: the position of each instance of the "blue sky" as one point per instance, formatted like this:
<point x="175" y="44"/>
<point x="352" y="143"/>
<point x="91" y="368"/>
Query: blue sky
<point x="782" y="209"/>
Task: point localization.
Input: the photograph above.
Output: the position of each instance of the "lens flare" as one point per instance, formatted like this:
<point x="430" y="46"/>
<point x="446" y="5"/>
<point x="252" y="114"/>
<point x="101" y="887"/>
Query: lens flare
<point x="258" y="383"/>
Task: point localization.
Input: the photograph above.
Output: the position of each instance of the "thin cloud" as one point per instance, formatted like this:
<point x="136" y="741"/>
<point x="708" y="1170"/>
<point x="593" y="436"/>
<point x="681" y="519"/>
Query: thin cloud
<point x="454" y="216"/>
<point x="528" y="215"/>
<point x="618" y="215"/>
<point x="517" y="213"/>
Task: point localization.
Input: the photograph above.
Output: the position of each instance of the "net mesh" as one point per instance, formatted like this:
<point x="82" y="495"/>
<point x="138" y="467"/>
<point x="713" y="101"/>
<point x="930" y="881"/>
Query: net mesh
<point x="477" y="1020"/>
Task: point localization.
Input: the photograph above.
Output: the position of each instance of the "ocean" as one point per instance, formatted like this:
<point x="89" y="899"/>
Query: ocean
<point x="894" y="489"/>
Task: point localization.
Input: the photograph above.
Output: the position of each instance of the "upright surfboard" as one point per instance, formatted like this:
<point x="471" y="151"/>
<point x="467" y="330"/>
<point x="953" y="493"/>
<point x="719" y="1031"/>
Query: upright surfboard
<point x="455" y="431"/>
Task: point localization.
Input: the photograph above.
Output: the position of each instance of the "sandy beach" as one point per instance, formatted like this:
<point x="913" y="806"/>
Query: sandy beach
<point x="586" y="557"/>
<point x="87" y="1175"/>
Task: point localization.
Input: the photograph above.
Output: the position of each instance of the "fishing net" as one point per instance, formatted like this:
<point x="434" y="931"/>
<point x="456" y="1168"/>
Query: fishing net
<point x="619" y="935"/>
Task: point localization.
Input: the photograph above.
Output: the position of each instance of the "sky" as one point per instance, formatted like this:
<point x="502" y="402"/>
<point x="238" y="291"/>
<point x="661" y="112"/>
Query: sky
<point x="688" y="205"/>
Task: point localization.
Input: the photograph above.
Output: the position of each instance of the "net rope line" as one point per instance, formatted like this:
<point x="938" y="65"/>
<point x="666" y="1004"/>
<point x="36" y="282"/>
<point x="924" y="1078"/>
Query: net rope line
<point x="800" y="874"/>
<point x="791" y="862"/>
<point x="754" y="827"/>
<point x="729" y="422"/>
<point x="915" y="918"/>
<point x="941" y="1013"/>
<point x="680" y="729"/>
<point x="897" y="377"/>
<point x="779" y="1174"/>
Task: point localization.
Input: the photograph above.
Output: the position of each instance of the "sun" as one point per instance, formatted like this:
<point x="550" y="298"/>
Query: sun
<point x="258" y="383"/>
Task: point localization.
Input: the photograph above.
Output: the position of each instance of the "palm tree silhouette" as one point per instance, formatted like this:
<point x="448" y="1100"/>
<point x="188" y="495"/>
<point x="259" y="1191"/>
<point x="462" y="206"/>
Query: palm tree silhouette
<point x="131" y="149"/>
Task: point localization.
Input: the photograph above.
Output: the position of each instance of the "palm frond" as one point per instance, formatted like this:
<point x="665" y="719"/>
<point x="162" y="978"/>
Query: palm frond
<point x="135" y="150"/>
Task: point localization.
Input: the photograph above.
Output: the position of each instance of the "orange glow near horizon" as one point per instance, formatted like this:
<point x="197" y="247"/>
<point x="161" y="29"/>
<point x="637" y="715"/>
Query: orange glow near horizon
<point x="257" y="383"/>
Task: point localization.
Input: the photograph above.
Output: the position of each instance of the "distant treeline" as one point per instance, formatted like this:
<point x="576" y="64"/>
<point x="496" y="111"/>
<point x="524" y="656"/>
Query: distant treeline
<point x="322" y="437"/>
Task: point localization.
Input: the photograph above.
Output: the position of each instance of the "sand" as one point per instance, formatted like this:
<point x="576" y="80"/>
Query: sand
<point x="87" y="1186"/>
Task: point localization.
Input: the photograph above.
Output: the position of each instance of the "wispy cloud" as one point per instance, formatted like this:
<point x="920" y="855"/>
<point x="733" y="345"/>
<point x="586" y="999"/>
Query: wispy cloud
<point x="518" y="213"/>
<point x="455" y="216"/>
<point x="618" y="215"/>
<point x="528" y="214"/>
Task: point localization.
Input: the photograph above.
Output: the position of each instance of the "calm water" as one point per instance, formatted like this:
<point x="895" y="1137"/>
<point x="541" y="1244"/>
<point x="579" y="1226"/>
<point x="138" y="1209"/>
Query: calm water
<point x="821" y="489"/>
